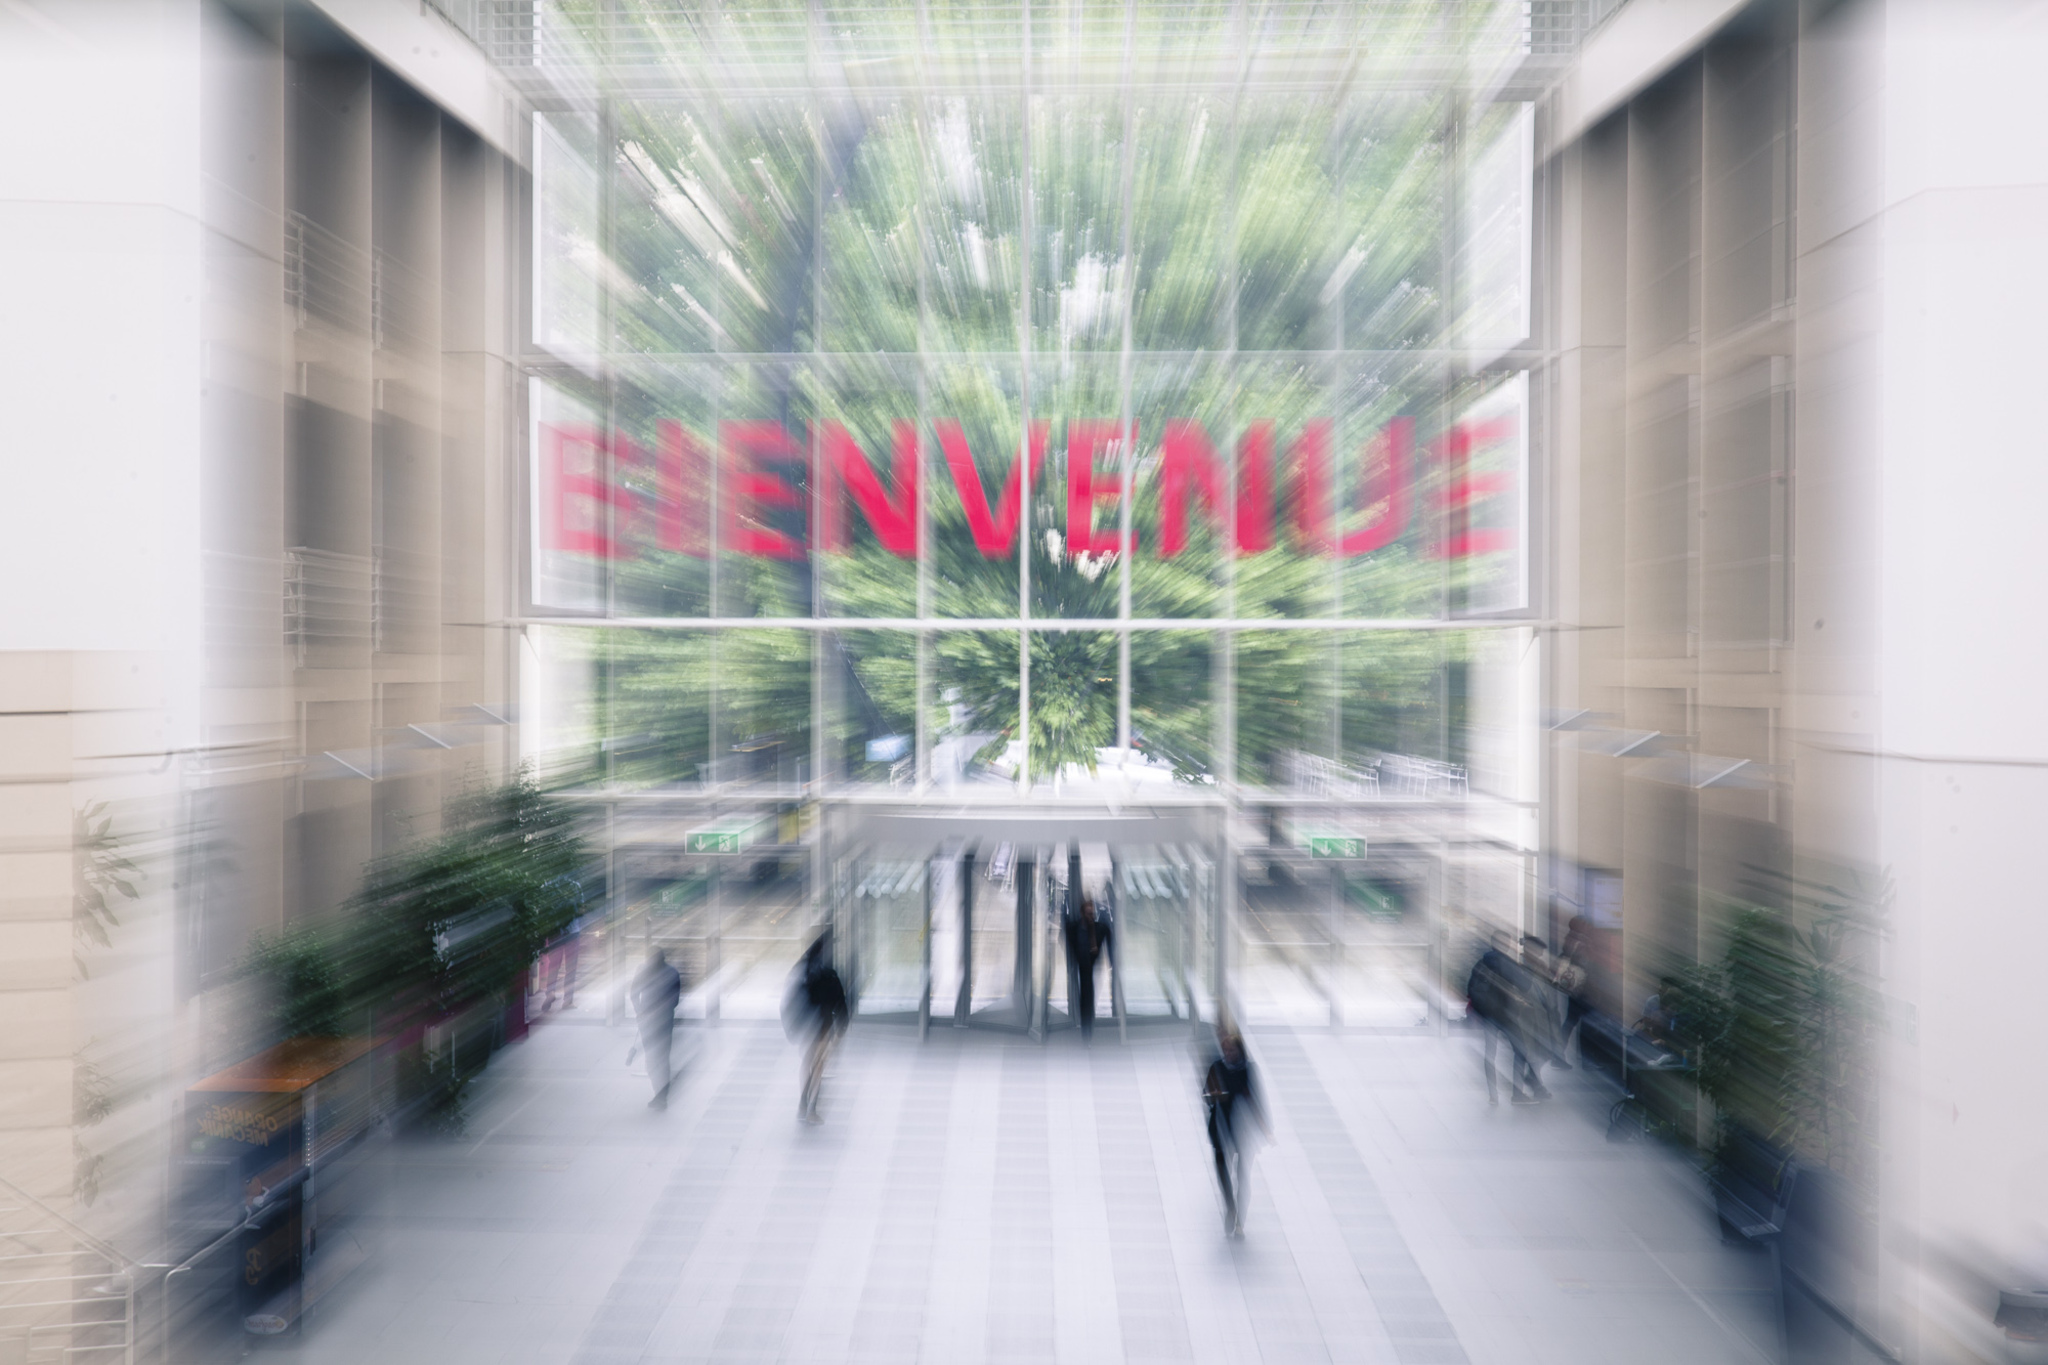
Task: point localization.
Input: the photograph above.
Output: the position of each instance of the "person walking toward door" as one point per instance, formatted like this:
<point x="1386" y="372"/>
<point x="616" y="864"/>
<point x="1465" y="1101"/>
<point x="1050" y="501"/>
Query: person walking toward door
<point x="656" y="992"/>
<point x="1085" y="936"/>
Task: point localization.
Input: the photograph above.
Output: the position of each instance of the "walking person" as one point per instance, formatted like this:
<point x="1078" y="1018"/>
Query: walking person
<point x="820" y="997"/>
<point x="1518" y="1011"/>
<point x="656" y="993"/>
<point x="1231" y="1099"/>
<point x="1085" y="936"/>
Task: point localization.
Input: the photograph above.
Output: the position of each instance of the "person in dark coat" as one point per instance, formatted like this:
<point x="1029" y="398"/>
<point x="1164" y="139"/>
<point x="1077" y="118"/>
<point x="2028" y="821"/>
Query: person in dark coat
<point x="1230" y="1099"/>
<point x="656" y="993"/>
<point x="824" y="995"/>
<point x="1516" y="1008"/>
<point x="1086" y="935"/>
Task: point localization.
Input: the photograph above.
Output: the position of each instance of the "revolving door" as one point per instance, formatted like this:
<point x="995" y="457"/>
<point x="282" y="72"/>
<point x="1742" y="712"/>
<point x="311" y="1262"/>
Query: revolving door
<point x="972" y="920"/>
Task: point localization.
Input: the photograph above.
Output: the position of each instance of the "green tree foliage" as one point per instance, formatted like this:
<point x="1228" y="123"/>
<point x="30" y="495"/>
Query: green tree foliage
<point x="443" y="925"/>
<point x="304" y="994"/>
<point x="453" y="921"/>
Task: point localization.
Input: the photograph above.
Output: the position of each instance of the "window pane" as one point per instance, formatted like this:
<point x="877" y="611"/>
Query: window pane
<point x="972" y="466"/>
<point x="973" y="708"/>
<point x="1287" y="248"/>
<point x="974" y="227"/>
<point x="1079" y="274"/>
<point x="761" y="681"/>
<point x="1286" y="706"/>
<point x="872" y="267"/>
<point x="871" y="686"/>
<point x="1073" y="706"/>
<point x="1077" y="517"/>
<point x="1180" y="222"/>
<point x="1391" y="188"/>
<point x="1386" y="495"/>
<point x="655" y="705"/>
<point x="764" y="490"/>
<point x="867" y="539"/>
<point x="1173" y="715"/>
<point x="663" y="436"/>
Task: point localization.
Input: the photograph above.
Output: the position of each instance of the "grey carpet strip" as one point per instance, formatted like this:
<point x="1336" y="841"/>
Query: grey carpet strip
<point x="1408" y="1309"/>
<point x="1020" y="1303"/>
<point x="619" y="1332"/>
<point x="1148" y="1303"/>
<point x="889" y="1324"/>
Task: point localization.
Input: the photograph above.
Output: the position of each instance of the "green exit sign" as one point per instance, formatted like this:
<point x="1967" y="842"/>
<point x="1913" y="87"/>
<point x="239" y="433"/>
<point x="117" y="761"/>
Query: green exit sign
<point x="1335" y="846"/>
<point x="727" y="836"/>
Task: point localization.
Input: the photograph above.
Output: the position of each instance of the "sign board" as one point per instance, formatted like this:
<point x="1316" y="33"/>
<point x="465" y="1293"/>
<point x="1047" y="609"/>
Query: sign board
<point x="604" y="494"/>
<point x="1336" y="846"/>
<point x="728" y="836"/>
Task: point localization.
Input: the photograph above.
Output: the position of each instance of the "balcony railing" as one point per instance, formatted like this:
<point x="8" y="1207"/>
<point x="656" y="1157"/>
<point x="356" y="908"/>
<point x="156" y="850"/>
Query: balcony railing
<point x="327" y="600"/>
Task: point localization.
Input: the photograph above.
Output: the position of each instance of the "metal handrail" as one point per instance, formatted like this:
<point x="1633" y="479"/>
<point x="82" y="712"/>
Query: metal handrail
<point x="123" y="1270"/>
<point x="105" y="1249"/>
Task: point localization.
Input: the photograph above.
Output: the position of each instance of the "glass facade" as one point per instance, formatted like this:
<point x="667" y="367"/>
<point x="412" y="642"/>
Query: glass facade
<point x="1041" y="405"/>
<point x="1087" y="399"/>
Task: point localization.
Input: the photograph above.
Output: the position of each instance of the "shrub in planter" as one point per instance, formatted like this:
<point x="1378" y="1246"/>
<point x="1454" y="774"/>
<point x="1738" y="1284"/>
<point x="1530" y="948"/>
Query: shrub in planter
<point x="440" y="928"/>
<point x="1782" y="1033"/>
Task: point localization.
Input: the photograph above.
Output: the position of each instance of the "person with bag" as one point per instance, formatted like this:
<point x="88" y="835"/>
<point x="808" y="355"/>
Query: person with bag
<point x="656" y="993"/>
<point x="815" y="1009"/>
<point x="1230" y="1100"/>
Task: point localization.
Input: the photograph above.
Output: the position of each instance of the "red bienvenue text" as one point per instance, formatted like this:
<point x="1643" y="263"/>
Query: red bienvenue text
<point x="660" y="497"/>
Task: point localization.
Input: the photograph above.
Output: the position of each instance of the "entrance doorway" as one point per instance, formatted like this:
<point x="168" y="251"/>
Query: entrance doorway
<point x="968" y="919"/>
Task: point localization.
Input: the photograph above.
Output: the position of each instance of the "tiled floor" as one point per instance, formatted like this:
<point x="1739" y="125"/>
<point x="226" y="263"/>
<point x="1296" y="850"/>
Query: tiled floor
<point x="981" y="1198"/>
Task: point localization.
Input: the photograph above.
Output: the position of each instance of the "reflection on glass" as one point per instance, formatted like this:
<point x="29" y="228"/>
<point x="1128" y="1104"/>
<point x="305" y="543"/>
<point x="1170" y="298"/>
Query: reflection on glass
<point x="871" y="680"/>
<point x="1186" y="427"/>
<point x="1389" y="270"/>
<point x="1287" y="251"/>
<point x="567" y="304"/>
<point x="1284" y="566"/>
<point x="715" y="237"/>
<point x="661" y="473"/>
<point x="1385" y="491"/>
<point x="873" y="274"/>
